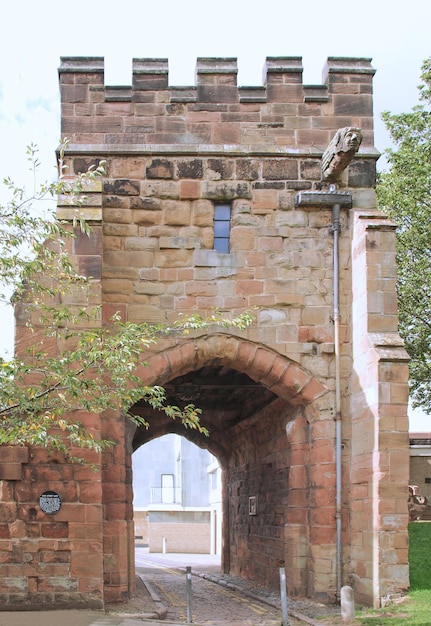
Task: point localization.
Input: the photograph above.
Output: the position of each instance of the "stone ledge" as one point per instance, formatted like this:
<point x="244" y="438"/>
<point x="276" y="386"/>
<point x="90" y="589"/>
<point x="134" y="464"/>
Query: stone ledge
<point x="206" y="149"/>
<point x="90" y="214"/>
<point x="323" y="199"/>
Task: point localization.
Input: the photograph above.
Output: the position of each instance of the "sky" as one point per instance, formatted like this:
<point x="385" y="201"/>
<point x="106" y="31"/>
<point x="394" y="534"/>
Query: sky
<point x="34" y="35"/>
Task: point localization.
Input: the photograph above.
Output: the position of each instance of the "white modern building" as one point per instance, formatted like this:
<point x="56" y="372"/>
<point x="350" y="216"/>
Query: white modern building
<point x="177" y="497"/>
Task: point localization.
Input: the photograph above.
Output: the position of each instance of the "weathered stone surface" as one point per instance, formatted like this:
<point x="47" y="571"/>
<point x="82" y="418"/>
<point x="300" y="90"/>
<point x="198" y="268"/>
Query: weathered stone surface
<point x="121" y="187"/>
<point x="280" y="169"/>
<point x="190" y="168"/>
<point x="160" y="168"/>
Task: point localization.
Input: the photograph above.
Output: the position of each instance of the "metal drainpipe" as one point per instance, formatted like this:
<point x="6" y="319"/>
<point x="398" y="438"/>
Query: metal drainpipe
<point x="333" y="199"/>
<point x="335" y="231"/>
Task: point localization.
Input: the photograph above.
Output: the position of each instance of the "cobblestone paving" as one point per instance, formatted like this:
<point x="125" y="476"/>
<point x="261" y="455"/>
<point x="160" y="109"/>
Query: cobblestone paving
<point x="210" y="603"/>
<point x="231" y="601"/>
<point x="217" y="599"/>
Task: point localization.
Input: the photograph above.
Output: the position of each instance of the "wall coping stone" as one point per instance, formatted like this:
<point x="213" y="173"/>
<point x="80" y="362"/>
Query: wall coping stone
<point x="78" y="65"/>
<point x="283" y="64"/>
<point x="349" y="65"/>
<point x="150" y="66"/>
<point x="216" y="65"/>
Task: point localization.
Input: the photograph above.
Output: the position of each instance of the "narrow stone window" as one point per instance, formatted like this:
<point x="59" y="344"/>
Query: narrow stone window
<point x="222" y="213"/>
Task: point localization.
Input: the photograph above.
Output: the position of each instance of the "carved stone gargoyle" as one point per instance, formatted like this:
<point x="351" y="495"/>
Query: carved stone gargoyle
<point x="340" y="152"/>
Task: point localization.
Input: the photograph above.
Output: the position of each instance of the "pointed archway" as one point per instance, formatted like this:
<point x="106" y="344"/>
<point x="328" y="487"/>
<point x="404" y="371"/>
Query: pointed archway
<point x="248" y="394"/>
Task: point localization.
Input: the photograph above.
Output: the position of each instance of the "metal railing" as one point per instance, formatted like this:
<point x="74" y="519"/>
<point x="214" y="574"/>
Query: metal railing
<point x="165" y="495"/>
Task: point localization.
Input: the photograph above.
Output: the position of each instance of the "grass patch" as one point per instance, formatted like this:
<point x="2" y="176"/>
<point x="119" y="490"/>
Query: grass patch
<point x="416" y="609"/>
<point x="420" y="556"/>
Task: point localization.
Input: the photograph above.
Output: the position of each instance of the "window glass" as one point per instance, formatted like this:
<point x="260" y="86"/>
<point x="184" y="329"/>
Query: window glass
<point x="221" y="229"/>
<point x="222" y="213"/>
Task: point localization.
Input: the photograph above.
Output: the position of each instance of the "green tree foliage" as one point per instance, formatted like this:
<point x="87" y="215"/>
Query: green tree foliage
<point x="404" y="193"/>
<point x="41" y="394"/>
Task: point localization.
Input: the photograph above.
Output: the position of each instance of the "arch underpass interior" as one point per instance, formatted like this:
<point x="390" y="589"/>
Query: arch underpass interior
<point x="271" y="428"/>
<point x="247" y="433"/>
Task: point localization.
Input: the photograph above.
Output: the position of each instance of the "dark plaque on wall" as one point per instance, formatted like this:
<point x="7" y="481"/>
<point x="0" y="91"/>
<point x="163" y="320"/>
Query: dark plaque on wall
<point x="50" y="502"/>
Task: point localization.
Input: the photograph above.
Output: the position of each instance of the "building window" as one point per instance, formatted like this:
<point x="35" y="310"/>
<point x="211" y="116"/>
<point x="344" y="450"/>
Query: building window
<point x="213" y="480"/>
<point x="222" y="214"/>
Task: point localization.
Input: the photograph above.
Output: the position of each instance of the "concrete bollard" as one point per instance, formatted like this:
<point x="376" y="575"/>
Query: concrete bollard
<point x="347" y="602"/>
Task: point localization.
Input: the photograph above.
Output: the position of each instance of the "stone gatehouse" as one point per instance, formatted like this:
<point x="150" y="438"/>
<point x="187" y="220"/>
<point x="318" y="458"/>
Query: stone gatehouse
<point x="213" y="198"/>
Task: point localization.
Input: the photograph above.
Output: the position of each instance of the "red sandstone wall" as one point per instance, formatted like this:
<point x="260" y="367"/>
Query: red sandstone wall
<point x="216" y="113"/>
<point x="259" y="468"/>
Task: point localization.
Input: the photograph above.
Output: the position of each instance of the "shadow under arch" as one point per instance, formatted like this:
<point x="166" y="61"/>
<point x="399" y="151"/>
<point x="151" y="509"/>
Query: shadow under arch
<point x="280" y="375"/>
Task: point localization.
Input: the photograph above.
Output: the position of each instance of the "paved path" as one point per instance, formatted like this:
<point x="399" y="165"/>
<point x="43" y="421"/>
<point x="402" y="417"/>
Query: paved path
<point x="203" y="566"/>
<point x="209" y="603"/>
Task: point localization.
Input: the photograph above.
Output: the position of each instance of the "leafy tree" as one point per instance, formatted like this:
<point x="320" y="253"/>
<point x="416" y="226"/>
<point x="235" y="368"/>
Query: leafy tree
<point x="41" y="394"/>
<point x="404" y="193"/>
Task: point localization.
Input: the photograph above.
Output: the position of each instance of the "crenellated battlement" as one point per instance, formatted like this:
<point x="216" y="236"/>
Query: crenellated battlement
<point x="216" y="114"/>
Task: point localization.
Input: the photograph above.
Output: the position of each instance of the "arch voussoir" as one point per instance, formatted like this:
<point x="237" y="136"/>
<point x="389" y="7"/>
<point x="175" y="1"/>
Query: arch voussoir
<point x="294" y="383"/>
<point x="154" y="369"/>
<point x="312" y="390"/>
<point x="244" y="356"/>
<point x="274" y="371"/>
<point x="277" y="371"/>
<point x="263" y="360"/>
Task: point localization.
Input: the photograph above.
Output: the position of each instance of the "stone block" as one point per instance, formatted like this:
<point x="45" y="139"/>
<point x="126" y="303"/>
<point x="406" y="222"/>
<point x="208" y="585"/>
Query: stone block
<point x="189" y="190"/>
<point x="362" y="174"/>
<point x="217" y="93"/>
<point x="176" y="213"/>
<point x="280" y="169"/>
<point x="84" y="567"/>
<point x="242" y="238"/>
<point x="225" y="191"/>
<point x="264" y="201"/>
<point x="192" y="168"/>
<point x="55" y="530"/>
<point x="10" y="471"/>
<point x="121" y="187"/>
<point x="221" y="169"/>
<point x="160" y="168"/>
<point x="353" y="105"/>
